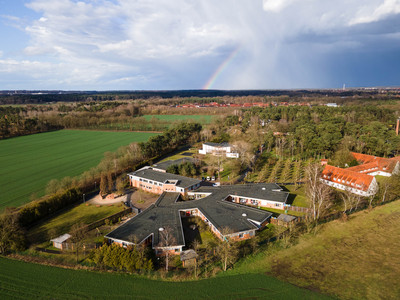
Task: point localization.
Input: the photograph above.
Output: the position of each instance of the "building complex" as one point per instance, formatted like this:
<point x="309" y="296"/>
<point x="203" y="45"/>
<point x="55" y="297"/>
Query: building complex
<point x="360" y="179"/>
<point x="230" y="211"/>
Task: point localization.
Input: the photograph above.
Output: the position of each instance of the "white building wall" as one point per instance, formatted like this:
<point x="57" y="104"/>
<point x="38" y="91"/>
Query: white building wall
<point x="371" y="190"/>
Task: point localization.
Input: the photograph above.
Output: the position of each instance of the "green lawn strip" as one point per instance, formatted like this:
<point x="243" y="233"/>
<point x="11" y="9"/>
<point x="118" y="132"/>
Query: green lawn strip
<point x="21" y="280"/>
<point x="63" y="222"/>
<point x="280" y="211"/>
<point x="28" y="163"/>
<point x="298" y="193"/>
<point x="180" y="155"/>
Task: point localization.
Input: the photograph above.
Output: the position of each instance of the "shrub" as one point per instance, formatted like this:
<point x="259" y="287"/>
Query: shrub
<point x="34" y="211"/>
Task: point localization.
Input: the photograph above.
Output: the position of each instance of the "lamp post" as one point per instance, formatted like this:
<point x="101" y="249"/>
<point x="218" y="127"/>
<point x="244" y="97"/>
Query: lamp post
<point x="83" y="196"/>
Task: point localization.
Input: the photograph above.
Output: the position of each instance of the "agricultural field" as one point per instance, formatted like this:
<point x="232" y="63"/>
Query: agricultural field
<point x="17" y="282"/>
<point x="354" y="259"/>
<point x="28" y="163"/>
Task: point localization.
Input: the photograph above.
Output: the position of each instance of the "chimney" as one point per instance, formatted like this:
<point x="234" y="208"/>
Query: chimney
<point x="397" y="126"/>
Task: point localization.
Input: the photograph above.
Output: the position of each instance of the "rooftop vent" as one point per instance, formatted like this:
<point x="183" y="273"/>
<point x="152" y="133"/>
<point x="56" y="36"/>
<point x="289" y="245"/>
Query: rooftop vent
<point x="244" y="215"/>
<point x="263" y="188"/>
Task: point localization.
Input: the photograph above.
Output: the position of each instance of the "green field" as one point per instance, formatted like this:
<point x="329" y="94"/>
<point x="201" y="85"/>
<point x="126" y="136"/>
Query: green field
<point x="29" y="162"/>
<point x="354" y="259"/>
<point x="202" y="119"/>
<point x="20" y="280"/>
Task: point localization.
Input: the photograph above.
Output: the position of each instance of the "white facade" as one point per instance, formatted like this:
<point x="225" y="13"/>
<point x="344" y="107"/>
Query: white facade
<point x="372" y="189"/>
<point x="219" y="149"/>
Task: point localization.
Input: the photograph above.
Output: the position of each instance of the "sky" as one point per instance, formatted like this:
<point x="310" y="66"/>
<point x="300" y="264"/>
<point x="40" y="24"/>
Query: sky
<point x="191" y="44"/>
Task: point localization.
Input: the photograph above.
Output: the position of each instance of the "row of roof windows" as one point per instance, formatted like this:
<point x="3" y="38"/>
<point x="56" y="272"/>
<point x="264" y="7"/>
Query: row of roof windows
<point x="345" y="181"/>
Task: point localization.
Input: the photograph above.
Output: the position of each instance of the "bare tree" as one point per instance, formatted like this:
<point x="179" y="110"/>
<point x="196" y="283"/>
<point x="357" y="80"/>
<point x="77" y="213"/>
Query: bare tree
<point x="196" y="246"/>
<point x="245" y="151"/>
<point x="318" y="193"/>
<point x="227" y="249"/>
<point x="78" y="233"/>
<point x="166" y="241"/>
<point x="385" y="187"/>
<point x="350" y="201"/>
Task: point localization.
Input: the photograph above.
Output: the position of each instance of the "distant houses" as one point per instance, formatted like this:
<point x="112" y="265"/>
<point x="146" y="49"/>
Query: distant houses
<point x="360" y="179"/>
<point x="219" y="149"/>
<point x="332" y="105"/>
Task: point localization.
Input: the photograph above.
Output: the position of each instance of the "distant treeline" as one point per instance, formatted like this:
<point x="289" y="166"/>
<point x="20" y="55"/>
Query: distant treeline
<point x="34" y="98"/>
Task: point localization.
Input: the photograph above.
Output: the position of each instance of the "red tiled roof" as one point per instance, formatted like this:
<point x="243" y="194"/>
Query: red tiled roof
<point x="372" y="163"/>
<point x="347" y="177"/>
<point x="396" y="158"/>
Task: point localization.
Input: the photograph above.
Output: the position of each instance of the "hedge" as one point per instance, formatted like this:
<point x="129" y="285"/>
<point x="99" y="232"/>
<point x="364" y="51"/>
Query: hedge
<point x="37" y="210"/>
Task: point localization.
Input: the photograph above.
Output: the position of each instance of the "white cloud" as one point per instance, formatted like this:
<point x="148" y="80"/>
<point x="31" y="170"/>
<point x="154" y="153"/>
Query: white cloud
<point x="180" y="43"/>
<point x="376" y="12"/>
<point x="276" y="5"/>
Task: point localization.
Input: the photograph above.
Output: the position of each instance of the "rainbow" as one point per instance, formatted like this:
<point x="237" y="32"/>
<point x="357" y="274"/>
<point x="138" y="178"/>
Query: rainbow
<point x="221" y="68"/>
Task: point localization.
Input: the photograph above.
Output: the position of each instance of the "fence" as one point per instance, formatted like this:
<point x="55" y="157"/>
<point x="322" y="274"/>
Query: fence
<point x="299" y="209"/>
<point x="113" y="218"/>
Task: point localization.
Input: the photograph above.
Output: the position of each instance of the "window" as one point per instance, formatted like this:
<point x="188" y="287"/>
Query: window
<point x="241" y="235"/>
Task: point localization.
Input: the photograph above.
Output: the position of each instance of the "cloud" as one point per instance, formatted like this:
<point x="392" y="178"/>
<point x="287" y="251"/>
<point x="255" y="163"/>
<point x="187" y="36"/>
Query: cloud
<point x="376" y="13"/>
<point x="276" y="5"/>
<point x="149" y="44"/>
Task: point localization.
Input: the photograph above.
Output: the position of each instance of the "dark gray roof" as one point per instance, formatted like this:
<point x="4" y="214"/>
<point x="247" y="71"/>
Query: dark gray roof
<point x="286" y="218"/>
<point x="264" y="191"/>
<point x="188" y="254"/>
<point x="149" y="222"/>
<point x="183" y="182"/>
<point x="224" y="215"/>
<point x="166" y="164"/>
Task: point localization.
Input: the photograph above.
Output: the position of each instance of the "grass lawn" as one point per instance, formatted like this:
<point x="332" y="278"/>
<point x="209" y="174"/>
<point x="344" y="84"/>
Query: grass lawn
<point x="180" y="154"/>
<point x="202" y="119"/>
<point x="62" y="222"/>
<point x="357" y="259"/>
<point x="298" y="194"/>
<point x="280" y="211"/>
<point x="28" y="163"/>
<point x="21" y="280"/>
